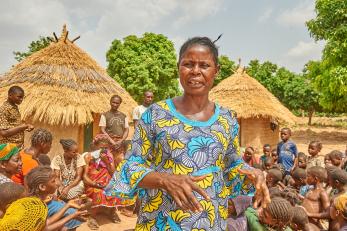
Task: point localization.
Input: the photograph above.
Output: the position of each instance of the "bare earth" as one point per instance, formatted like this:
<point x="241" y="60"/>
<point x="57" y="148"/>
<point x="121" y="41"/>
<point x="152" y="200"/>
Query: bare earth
<point x="331" y="137"/>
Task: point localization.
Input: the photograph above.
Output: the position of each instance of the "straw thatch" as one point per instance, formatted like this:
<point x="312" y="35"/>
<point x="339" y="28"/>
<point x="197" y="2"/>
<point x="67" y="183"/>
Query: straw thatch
<point x="249" y="98"/>
<point x="63" y="85"/>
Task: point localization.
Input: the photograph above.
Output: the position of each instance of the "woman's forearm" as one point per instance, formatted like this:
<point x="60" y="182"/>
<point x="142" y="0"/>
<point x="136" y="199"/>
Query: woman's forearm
<point x="153" y="180"/>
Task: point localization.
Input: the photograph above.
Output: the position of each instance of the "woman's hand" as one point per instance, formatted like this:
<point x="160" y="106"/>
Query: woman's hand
<point x="181" y="188"/>
<point x="64" y="192"/>
<point x="262" y="196"/>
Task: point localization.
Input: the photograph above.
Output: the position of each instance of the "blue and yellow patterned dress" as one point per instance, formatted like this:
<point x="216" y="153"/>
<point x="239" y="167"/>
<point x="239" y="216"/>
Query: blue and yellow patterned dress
<point x="177" y="145"/>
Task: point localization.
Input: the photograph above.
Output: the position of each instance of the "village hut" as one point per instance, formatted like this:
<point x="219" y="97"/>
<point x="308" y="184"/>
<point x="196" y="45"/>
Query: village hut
<point x="259" y="112"/>
<point x="65" y="92"/>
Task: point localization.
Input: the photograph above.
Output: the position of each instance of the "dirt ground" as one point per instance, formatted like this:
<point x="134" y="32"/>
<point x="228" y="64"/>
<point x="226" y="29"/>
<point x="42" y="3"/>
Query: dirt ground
<point x="332" y="137"/>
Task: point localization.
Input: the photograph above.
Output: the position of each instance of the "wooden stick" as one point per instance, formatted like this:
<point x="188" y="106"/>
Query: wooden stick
<point x="67" y="32"/>
<point x="76" y="38"/>
<point x="55" y="36"/>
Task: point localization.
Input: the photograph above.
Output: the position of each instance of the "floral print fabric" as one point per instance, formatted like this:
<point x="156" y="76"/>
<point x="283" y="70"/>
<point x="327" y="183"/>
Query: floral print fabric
<point x="166" y="141"/>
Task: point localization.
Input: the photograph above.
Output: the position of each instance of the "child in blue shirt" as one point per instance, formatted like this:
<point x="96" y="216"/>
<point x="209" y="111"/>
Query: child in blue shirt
<point x="287" y="151"/>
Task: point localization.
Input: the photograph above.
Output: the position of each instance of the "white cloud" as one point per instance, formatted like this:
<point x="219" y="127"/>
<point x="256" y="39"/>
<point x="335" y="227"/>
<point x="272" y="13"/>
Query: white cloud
<point x="298" y="15"/>
<point x="265" y="15"/>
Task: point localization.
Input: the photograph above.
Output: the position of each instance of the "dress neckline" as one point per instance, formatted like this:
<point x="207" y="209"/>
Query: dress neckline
<point x="196" y="123"/>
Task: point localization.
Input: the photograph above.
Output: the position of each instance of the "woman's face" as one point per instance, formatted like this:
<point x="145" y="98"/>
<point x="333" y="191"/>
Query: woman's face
<point x="197" y="70"/>
<point x="72" y="152"/>
<point x="13" y="165"/>
<point x="46" y="147"/>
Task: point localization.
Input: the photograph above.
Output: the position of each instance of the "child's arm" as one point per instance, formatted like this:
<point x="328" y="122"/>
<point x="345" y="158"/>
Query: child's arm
<point x="61" y="212"/>
<point x="324" y="198"/>
<point x="59" y="224"/>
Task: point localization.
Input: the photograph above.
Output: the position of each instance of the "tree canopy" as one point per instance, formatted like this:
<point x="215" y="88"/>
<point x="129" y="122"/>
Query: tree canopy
<point x="34" y="46"/>
<point x="227" y="68"/>
<point x="144" y="63"/>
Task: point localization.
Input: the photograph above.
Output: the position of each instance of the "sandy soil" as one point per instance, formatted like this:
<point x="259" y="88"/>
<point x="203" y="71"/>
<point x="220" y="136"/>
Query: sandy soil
<point x="331" y="137"/>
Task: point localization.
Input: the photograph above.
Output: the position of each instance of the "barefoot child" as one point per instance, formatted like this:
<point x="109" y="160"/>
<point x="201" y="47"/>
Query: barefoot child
<point x="42" y="182"/>
<point x="313" y="150"/>
<point x="316" y="200"/>
<point x="287" y="151"/>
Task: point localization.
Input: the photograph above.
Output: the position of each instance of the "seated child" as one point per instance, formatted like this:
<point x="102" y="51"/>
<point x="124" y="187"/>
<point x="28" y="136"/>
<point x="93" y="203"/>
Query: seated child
<point x="336" y="158"/>
<point x="266" y="153"/>
<point x="10" y="192"/>
<point x="313" y="150"/>
<point x="338" y="212"/>
<point x="273" y="178"/>
<point x="316" y="200"/>
<point x="42" y="183"/>
<point x="300" y="221"/>
<point x="278" y="215"/>
<point x="25" y="214"/>
<point x="236" y="208"/>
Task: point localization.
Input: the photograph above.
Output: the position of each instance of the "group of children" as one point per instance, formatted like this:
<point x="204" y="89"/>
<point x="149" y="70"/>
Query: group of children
<point x="306" y="192"/>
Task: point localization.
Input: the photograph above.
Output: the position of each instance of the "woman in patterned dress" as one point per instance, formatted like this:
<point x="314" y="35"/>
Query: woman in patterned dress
<point x="10" y="162"/>
<point x="195" y="166"/>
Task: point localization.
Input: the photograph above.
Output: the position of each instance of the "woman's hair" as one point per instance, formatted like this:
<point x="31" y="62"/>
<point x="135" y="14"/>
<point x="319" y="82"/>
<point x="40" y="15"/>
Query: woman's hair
<point x="67" y="143"/>
<point x="10" y="192"/>
<point x="319" y="172"/>
<point x="300" y="217"/>
<point x="37" y="176"/>
<point x="317" y="143"/>
<point x="41" y="136"/>
<point x="202" y="41"/>
<point x="280" y="210"/>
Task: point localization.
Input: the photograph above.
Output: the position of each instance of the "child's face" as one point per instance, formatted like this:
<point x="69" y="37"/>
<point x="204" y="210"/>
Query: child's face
<point x="269" y="180"/>
<point x="285" y="135"/>
<point x="300" y="181"/>
<point x="248" y="154"/>
<point x="311" y="180"/>
<point x="302" y="162"/>
<point x="274" y="156"/>
<point x="52" y="185"/>
<point x="267" y="150"/>
<point x="45" y="147"/>
<point x="268" y="165"/>
<point x="327" y="160"/>
<point x="336" y="161"/>
<point x="313" y="149"/>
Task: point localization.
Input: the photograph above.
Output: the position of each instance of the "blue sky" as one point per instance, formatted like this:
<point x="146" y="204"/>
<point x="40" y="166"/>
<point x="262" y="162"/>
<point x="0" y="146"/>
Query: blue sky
<point x="252" y="29"/>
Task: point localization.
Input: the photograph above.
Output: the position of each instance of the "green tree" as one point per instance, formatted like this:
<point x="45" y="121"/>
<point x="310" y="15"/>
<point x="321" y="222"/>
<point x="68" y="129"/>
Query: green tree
<point x="144" y="63"/>
<point x="34" y="46"/>
<point x="227" y="68"/>
<point x="330" y="25"/>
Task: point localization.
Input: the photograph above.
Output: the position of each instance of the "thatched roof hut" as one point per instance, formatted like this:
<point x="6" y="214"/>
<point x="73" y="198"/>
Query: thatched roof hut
<point x="256" y="108"/>
<point x="65" y="89"/>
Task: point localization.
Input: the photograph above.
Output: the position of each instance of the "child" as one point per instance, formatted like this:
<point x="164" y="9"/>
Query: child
<point x="327" y="160"/>
<point x="249" y="156"/>
<point x="277" y="214"/>
<point x="42" y="182"/>
<point x="300" y="221"/>
<point x="43" y="159"/>
<point x="266" y="153"/>
<point x="338" y="212"/>
<point x="10" y="192"/>
<point x="287" y="151"/>
<point x="316" y="200"/>
<point x="268" y="163"/>
<point x="336" y="158"/>
<point x="274" y="155"/>
<point x="298" y="181"/>
<point x="302" y="160"/>
<point x="313" y="150"/>
<point x="273" y="178"/>
<point x="236" y="208"/>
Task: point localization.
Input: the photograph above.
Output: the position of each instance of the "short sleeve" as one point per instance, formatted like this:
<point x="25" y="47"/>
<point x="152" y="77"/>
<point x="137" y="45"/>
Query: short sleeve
<point x="294" y="149"/>
<point x="136" y="113"/>
<point x="55" y="164"/>
<point x="102" y="122"/>
<point x="80" y="161"/>
<point x="4" y="124"/>
<point x="236" y="183"/>
<point x="126" y="122"/>
<point x="134" y="168"/>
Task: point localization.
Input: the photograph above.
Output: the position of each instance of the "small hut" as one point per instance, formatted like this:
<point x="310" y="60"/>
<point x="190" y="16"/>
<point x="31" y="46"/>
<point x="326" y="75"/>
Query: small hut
<point x="65" y="91"/>
<point x="259" y="112"/>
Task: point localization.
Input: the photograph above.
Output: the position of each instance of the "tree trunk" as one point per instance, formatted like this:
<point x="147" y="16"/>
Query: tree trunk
<point x="310" y="115"/>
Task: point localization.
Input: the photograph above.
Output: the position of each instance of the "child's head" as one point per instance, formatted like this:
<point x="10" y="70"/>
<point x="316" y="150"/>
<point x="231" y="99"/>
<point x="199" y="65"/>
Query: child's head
<point x="268" y="163"/>
<point x="249" y="152"/>
<point x="286" y="133"/>
<point x="267" y="150"/>
<point x="327" y="160"/>
<point x="277" y="214"/>
<point x="302" y="160"/>
<point x="314" y="147"/>
<point x="338" y="209"/>
<point x="44" y="160"/>
<point x="41" y="139"/>
<point x="273" y="177"/>
<point x="10" y="160"/>
<point x="101" y="141"/>
<point x="70" y="147"/>
<point x="41" y="181"/>
<point x="274" y="155"/>
<point x="10" y="192"/>
<point x="291" y="196"/>
<point x="316" y="175"/>
<point x="258" y="166"/>
<point x="336" y="158"/>
<point x="338" y="178"/>
<point x="299" y="176"/>
<point x="300" y="219"/>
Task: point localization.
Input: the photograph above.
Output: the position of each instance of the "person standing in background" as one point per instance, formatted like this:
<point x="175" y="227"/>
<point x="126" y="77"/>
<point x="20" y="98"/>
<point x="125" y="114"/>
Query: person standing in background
<point x="148" y="97"/>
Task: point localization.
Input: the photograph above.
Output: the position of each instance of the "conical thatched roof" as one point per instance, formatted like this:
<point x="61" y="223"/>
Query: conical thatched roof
<point x="63" y="85"/>
<point x="249" y="98"/>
